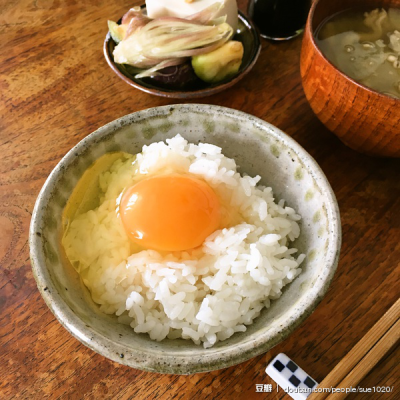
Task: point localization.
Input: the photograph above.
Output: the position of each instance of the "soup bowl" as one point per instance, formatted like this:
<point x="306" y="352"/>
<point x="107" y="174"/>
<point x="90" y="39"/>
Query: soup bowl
<point x="258" y="148"/>
<point x="362" y="118"/>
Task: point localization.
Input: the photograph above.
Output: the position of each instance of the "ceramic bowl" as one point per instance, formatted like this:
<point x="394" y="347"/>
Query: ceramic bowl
<point x="245" y="33"/>
<point x="258" y="148"/>
<point x="363" y="119"/>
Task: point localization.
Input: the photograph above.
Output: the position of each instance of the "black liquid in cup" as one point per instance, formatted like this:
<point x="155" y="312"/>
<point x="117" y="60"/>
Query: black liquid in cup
<point x="279" y="19"/>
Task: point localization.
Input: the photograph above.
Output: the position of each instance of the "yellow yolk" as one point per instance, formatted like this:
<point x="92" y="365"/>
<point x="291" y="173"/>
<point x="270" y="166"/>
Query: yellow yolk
<point x="170" y="212"/>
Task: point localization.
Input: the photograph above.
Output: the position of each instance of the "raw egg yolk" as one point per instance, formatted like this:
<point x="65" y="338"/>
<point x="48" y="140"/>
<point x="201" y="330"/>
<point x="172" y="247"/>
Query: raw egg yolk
<point x="170" y="212"/>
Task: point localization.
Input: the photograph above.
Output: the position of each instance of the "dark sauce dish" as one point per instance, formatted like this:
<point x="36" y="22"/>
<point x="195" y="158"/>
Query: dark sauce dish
<point x="245" y="33"/>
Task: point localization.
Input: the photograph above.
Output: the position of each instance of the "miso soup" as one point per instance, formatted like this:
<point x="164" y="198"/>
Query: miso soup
<point x="365" y="45"/>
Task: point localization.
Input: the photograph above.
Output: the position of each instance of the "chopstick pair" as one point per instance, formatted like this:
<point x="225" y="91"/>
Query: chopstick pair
<point x="348" y="372"/>
<point x="363" y="356"/>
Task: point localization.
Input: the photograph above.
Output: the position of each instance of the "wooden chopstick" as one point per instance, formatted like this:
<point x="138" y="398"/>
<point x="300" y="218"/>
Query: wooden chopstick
<point x="368" y="362"/>
<point x="363" y="356"/>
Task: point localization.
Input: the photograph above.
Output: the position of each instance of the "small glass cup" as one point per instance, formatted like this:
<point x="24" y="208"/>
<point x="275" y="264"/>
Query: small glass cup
<point x="279" y="19"/>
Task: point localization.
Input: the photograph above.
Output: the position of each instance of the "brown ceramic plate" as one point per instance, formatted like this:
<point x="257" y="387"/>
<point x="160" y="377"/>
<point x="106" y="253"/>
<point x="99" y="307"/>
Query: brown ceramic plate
<point x="245" y="33"/>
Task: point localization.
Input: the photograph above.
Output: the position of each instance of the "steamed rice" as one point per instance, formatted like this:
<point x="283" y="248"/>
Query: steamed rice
<point x="206" y="294"/>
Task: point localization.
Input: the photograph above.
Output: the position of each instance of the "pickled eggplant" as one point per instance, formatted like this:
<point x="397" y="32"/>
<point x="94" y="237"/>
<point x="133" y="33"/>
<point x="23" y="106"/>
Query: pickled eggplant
<point x="176" y="77"/>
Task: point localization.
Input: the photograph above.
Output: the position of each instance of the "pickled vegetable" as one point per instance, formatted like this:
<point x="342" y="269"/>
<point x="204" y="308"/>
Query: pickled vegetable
<point x="219" y="64"/>
<point x="117" y="32"/>
<point x="177" y="77"/>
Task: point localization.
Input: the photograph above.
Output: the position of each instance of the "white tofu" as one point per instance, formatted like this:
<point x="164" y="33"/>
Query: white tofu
<point x="181" y="9"/>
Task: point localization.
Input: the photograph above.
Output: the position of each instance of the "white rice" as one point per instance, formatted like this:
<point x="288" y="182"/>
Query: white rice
<point x="205" y="295"/>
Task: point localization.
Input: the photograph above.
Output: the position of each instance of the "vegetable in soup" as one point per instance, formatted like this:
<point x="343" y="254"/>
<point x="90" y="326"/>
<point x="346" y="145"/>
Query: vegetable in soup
<point x="365" y="46"/>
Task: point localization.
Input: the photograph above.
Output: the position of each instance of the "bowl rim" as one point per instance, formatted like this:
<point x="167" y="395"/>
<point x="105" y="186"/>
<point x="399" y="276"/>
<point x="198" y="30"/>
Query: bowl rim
<point x="179" y="94"/>
<point x="181" y="363"/>
<point x="312" y="32"/>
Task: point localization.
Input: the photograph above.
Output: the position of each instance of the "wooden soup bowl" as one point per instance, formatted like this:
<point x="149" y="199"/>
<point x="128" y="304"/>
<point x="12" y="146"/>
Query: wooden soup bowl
<point x="363" y="119"/>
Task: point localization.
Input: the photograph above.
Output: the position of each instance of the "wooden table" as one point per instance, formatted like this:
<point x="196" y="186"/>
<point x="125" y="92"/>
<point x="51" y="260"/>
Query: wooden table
<point x="55" y="89"/>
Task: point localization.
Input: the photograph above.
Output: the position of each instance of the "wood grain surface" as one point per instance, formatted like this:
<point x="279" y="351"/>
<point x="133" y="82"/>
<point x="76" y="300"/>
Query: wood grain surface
<point x="56" y="88"/>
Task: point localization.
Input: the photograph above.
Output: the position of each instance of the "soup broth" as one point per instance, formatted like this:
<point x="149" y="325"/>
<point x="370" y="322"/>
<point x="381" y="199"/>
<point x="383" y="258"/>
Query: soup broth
<point x="365" y="46"/>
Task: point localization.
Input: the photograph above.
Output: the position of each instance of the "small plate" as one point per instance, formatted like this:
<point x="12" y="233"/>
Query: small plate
<point x="245" y="33"/>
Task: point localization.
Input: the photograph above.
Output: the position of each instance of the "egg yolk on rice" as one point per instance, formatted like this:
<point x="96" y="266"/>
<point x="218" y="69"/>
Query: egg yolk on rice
<point x="170" y="212"/>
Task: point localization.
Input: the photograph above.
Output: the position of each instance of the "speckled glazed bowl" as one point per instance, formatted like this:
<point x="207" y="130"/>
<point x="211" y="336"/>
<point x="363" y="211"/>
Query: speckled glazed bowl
<point x="258" y="148"/>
